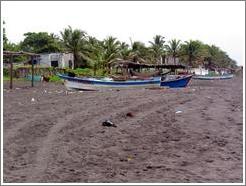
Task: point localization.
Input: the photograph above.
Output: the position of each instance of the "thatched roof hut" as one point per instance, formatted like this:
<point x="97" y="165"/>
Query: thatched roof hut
<point x="131" y="64"/>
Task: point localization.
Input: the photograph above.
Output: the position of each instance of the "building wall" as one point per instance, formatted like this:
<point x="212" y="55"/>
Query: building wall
<point x="169" y="60"/>
<point x="199" y="71"/>
<point x="66" y="57"/>
<point x="62" y="58"/>
<point x="44" y="60"/>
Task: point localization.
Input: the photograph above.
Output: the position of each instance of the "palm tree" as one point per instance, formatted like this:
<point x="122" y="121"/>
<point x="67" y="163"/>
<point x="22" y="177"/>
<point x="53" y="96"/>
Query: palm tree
<point x="173" y="48"/>
<point x="157" y="47"/>
<point x="124" y="50"/>
<point x="95" y="54"/>
<point x="74" y="41"/>
<point x="191" y="49"/>
<point x="138" y="52"/>
<point x="111" y="50"/>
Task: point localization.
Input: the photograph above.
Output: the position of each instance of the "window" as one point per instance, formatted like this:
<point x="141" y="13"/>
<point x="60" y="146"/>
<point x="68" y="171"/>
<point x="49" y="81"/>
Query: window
<point x="54" y="63"/>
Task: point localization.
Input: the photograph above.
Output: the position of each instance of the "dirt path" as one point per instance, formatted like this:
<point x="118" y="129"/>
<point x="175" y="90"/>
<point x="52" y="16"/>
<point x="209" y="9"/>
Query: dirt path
<point x="59" y="137"/>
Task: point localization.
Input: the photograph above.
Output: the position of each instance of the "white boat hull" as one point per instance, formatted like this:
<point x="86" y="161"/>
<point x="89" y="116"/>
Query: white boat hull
<point x="71" y="85"/>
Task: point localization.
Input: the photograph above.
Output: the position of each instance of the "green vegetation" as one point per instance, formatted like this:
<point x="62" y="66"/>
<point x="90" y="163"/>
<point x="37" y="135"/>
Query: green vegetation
<point x="7" y="78"/>
<point x="41" y="42"/>
<point x="55" y="78"/>
<point x="92" y="56"/>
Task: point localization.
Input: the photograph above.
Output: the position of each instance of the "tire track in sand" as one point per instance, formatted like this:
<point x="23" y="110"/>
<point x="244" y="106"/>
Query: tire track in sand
<point x="14" y="135"/>
<point x="11" y="132"/>
<point x="139" y="115"/>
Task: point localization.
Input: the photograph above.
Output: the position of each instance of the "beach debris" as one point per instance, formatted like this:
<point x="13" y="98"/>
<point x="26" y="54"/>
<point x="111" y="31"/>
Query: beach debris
<point x="59" y="91"/>
<point x="149" y="167"/>
<point x="129" y="158"/>
<point x="45" y="91"/>
<point x="108" y="123"/>
<point x="71" y="92"/>
<point x="81" y="91"/>
<point x="209" y="160"/>
<point x="32" y="99"/>
<point x="193" y="89"/>
<point x="178" y="111"/>
<point x="17" y="88"/>
<point x="129" y="114"/>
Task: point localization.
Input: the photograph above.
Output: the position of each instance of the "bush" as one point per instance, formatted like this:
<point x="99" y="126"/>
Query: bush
<point x="5" y="72"/>
<point x="83" y="72"/>
<point x="88" y="72"/>
<point x="55" y="78"/>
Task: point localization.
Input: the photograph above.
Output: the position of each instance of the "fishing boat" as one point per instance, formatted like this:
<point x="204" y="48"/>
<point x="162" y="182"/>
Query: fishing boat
<point x="175" y="81"/>
<point x="145" y="74"/>
<point x="84" y="83"/>
<point x="227" y="76"/>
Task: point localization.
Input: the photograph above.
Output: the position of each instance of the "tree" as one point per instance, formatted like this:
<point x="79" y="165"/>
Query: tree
<point x="191" y="50"/>
<point x="157" y="47"/>
<point x="173" y="48"/>
<point x="5" y="39"/>
<point x="218" y="58"/>
<point x="75" y="42"/>
<point x="124" y="50"/>
<point x="95" y="55"/>
<point x="40" y="42"/>
<point x="138" y="52"/>
<point x="111" y="50"/>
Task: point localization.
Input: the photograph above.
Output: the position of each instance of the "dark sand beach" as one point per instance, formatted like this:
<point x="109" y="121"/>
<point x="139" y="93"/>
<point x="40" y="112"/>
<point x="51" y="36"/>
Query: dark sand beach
<point x="60" y="138"/>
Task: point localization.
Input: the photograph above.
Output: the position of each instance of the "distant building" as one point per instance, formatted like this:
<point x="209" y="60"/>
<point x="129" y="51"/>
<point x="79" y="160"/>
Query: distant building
<point x="199" y="71"/>
<point x="61" y="60"/>
<point x="169" y="60"/>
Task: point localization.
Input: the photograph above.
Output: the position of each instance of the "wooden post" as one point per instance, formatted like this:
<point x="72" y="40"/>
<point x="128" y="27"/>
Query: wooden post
<point x="32" y="72"/>
<point x="11" y="72"/>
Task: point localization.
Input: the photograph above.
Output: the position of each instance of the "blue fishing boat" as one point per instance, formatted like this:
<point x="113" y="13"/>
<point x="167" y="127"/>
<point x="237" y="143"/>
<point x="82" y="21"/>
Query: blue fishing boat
<point x="227" y="76"/>
<point x="175" y="81"/>
<point x="84" y="83"/>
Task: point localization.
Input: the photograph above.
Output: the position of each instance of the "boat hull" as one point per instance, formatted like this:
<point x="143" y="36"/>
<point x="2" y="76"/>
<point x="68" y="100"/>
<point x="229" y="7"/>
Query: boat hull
<point x="213" y="77"/>
<point x="177" y="83"/>
<point x="95" y="84"/>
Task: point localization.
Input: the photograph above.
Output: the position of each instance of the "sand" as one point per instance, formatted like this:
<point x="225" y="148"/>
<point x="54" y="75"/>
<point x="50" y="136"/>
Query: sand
<point x="188" y="135"/>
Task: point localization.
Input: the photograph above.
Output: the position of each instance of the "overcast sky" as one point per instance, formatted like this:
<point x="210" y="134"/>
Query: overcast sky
<point x="219" y="23"/>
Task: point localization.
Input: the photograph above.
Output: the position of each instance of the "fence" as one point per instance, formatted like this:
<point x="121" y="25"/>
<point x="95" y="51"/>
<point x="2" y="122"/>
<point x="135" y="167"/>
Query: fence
<point x="21" y="72"/>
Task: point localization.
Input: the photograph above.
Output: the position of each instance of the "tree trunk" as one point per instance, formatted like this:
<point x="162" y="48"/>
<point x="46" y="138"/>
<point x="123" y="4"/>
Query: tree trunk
<point x="75" y="60"/>
<point x="174" y="59"/>
<point x="190" y="60"/>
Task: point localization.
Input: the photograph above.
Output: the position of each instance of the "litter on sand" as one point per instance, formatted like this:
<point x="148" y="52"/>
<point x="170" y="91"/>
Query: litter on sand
<point x="108" y="123"/>
<point x="129" y="114"/>
<point x="178" y="112"/>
